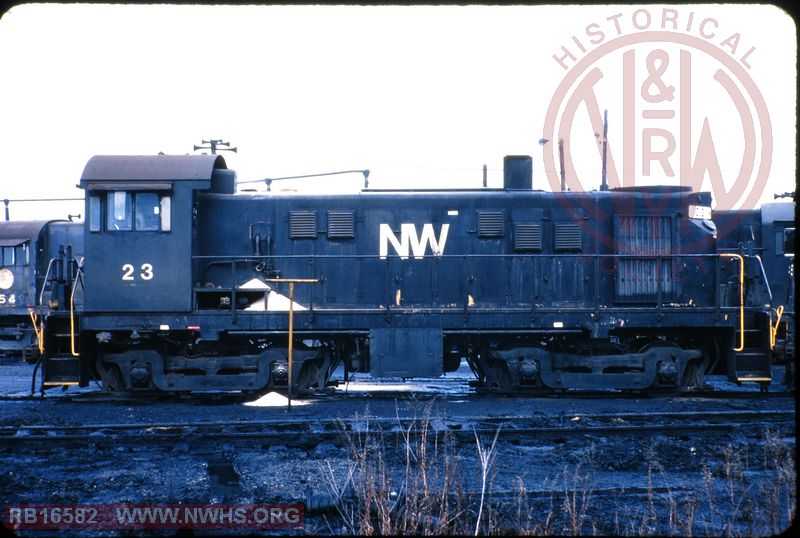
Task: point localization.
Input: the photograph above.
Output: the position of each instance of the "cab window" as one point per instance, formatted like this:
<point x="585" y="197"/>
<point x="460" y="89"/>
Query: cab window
<point x="21" y="255"/>
<point x="127" y="211"/>
<point x="148" y="209"/>
<point x="119" y="211"/>
<point x="8" y="256"/>
<point x="95" y="214"/>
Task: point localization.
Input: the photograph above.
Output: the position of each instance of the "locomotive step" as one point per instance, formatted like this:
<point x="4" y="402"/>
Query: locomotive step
<point x="61" y="370"/>
<point x="753" y="378"/>
<point x="753" y="364"/>
<point x="58" y="381"/>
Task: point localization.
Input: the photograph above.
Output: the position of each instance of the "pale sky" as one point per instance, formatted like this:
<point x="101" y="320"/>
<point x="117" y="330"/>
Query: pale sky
<point x="420" y="96"/>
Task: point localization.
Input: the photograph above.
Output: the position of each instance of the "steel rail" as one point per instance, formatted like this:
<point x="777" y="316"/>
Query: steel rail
<point x="305" y="438"/>
<point x="683" y="422"/>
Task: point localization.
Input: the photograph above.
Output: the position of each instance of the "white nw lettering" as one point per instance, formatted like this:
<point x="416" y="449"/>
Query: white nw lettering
<point x="409" y="240"/>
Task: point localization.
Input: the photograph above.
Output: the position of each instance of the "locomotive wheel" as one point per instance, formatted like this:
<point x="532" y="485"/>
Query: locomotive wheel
<point x="693" y="375"/>
<point x="498" y="378"/>
<point x="110" y="377"/>
<point x="314" y="374"/>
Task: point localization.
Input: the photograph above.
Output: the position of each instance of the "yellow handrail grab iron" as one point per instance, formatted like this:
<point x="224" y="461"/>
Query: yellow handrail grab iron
<point x="72" y="312"/>
<point x="741" y="298"/>
<point x="72" y="327"/>
<point x="773" y="330"/>
<point x="38" y="330"/>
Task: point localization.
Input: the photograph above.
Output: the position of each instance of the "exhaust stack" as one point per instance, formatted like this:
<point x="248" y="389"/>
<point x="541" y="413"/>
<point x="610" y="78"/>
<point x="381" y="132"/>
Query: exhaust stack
<point x="518" y="172"/>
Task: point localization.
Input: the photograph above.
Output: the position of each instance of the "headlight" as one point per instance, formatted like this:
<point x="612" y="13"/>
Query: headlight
<point x="6" y="279"/>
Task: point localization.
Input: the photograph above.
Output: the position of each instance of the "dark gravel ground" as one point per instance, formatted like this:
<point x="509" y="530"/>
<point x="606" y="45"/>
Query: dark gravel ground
<point x="740" y="483"/>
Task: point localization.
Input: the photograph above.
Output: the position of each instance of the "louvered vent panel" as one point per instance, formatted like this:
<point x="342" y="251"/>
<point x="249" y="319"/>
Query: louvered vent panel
<point x="303" y="225"/>
<point x="643" y="235"/>
<point x="527" y="236"/>
<point x="567" y="236"/>
<point x="490" y="224"/>
<point x="341" y="225"/>
<point x="639" y="279"/>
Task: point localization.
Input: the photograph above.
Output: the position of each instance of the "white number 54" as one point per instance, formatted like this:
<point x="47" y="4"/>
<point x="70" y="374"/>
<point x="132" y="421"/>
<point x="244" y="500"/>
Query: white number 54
<point x="128" y="271"/>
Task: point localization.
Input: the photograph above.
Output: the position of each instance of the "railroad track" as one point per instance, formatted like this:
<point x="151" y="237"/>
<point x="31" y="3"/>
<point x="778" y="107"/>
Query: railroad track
<point x="440" y="391"/>
<point x="305" y="431"/>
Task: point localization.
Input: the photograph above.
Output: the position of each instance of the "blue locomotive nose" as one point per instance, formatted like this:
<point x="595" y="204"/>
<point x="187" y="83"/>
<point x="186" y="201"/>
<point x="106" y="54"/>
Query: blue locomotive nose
<point x="35" y="280"/>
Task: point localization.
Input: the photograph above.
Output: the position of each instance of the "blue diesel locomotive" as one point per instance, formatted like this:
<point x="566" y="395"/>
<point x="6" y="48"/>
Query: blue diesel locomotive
<point x="189" y="286"/>
<point x="37" y="267"/>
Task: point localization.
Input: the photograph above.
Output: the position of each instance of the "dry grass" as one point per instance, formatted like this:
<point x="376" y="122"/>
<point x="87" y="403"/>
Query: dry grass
<point x="425" y="496"/>
<point x="737" y="494"/>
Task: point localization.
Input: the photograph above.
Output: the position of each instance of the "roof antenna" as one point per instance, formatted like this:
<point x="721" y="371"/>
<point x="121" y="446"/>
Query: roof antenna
<point x="604" y="183"/>
<point x="561" y="173"/>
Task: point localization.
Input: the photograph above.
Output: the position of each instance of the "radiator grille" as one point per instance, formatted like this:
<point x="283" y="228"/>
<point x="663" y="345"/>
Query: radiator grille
<point x="567" y="236"/>
<point x="648" y="236"/>
<point x="303" y="225"/>
<point x="341" y="225"/>
<point x="490" y="224"/>
<point x="527" y="236"/>
<point x="638" y="278"/>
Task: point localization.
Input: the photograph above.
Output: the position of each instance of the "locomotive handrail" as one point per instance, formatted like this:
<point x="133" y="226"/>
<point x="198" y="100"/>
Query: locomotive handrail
<point x="764" y="277"/>
<point x="773" y="330"/>
<point x="44" y="282"/>
<point x="72" y="309"/>
<point x="224" y="258"/>
<point x="38" y="330"/>
<point x="741" y="298"/>
<point x="38" y="327"/>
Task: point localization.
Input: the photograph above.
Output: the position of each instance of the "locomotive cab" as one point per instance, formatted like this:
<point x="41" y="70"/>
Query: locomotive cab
<point x="141" y="236"/>
<point x="140" y="230"/>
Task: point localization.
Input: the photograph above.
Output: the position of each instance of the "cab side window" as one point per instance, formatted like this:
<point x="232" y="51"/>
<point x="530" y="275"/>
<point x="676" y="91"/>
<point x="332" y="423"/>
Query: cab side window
<point x="130" y="211"/>
<point x="95" y="214"/>
<point x="788" y="241"/>
<point x="148" y="209"/>
<point x="21" y="254"/>
<point x="119" y="211"/>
